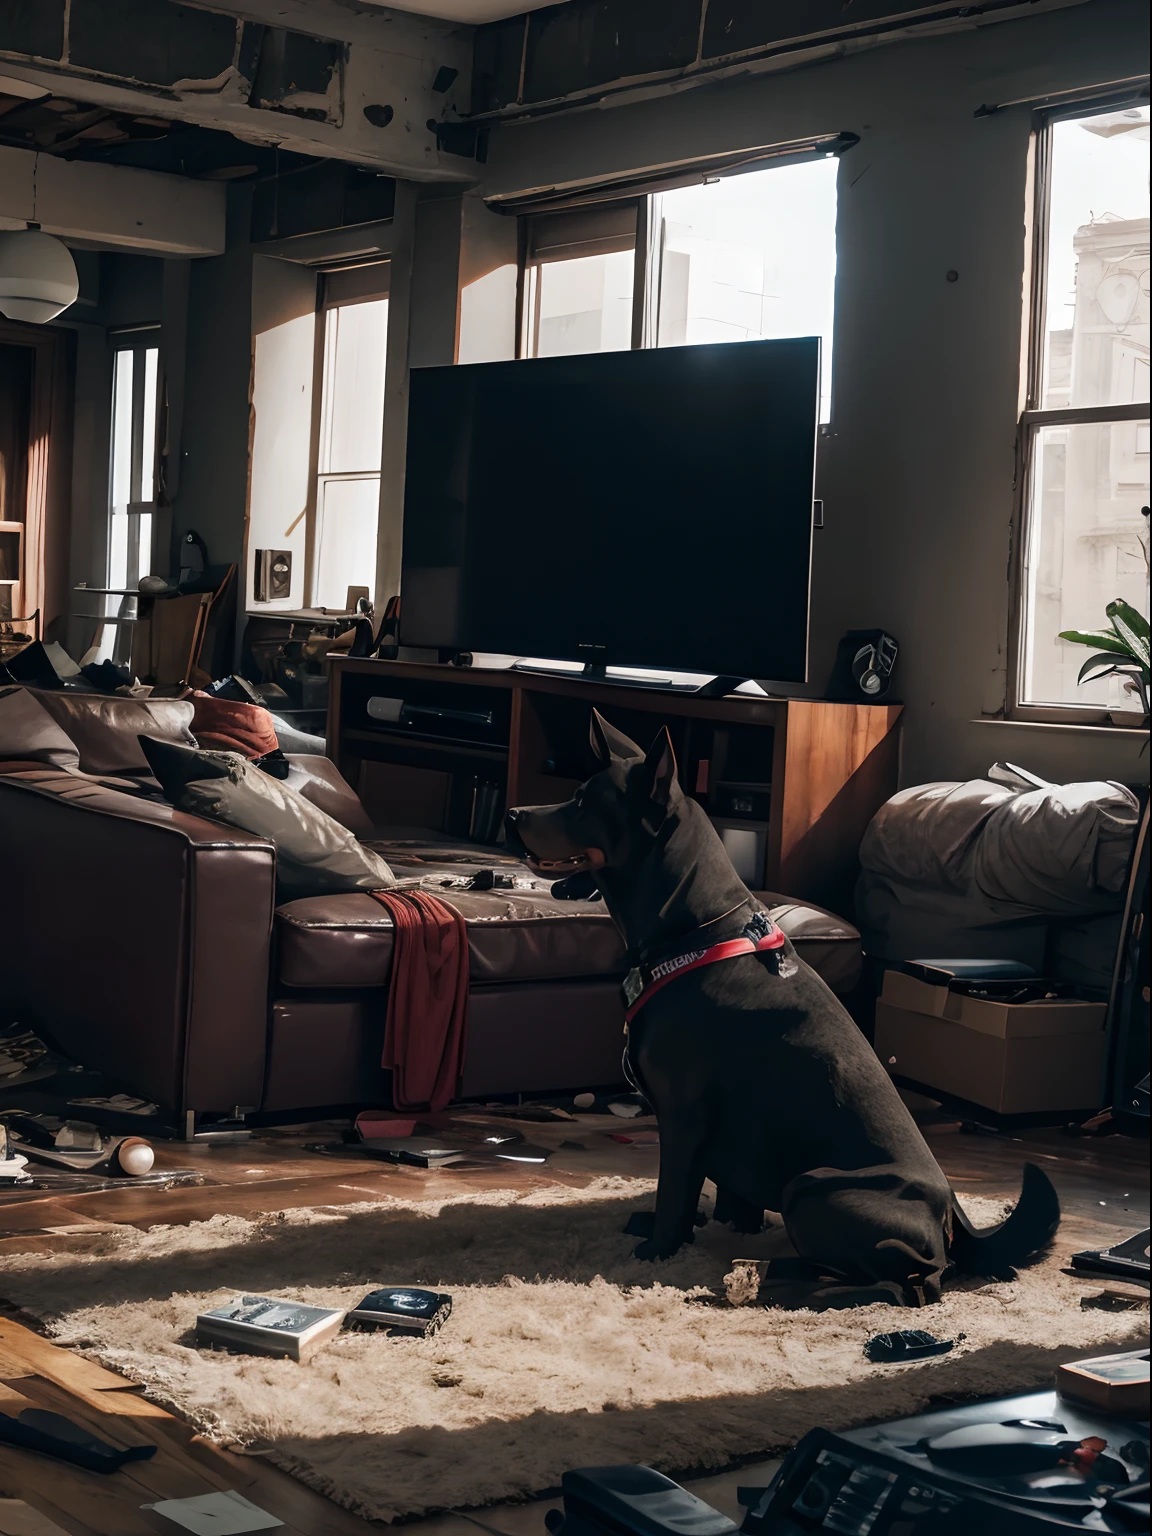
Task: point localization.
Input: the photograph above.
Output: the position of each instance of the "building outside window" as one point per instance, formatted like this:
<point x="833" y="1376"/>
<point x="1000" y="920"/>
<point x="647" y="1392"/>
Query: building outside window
<point x="750" y="257"/>
<point x="1084" y="436"/>
<point x="735" y="257"/>
<point x="579" y="281"/>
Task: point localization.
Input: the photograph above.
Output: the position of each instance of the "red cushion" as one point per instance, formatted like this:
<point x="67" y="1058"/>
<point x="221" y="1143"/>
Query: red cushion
<point x="223" y="725"/>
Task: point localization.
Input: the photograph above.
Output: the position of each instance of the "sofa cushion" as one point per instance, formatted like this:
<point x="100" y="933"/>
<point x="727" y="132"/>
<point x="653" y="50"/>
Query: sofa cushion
<point x="316" y="855"/>
<point x="229" y="725"/>
<point x="104" y="727"/>
<point x="517" y="934"/>
<point x="29" y="733"/>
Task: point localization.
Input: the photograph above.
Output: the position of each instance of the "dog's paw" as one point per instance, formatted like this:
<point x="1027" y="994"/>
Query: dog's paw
<point x="650" y="1250"/>
<point x="640" y="1224"/>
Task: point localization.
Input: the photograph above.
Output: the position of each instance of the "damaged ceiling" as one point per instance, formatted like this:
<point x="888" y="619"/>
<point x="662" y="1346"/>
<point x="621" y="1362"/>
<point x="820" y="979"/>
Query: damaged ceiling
<point x="357" y="83"/>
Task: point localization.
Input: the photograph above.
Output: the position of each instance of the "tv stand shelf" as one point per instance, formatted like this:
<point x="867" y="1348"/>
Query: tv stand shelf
<point x="825" y="769"/>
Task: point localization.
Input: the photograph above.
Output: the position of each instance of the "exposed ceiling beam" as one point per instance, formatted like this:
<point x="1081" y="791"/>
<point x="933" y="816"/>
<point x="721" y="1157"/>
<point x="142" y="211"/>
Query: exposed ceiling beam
<point x="111" y="204"/>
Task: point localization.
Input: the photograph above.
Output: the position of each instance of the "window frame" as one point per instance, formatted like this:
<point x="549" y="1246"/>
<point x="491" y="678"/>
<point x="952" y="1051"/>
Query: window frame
<point x="646" y="198"/>
<point x="139" y="340"/>
<point x="1033" y="418"/>
<point x="326" y="301"/>
<point x="529" y="264"/>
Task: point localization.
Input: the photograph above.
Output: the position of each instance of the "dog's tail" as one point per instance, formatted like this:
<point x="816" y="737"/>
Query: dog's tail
<point x="1021" y="1238"/>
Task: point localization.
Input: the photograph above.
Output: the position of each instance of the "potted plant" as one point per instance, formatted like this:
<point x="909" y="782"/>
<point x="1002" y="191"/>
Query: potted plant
<point x="1121" y="650"/>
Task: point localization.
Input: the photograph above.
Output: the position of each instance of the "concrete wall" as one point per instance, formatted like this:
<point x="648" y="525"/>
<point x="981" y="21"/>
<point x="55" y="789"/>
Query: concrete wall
<point x="214" y="439"/>
<point x="917" y="476"/>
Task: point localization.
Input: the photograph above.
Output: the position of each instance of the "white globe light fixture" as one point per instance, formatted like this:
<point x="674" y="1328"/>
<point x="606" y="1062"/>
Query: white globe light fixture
<point x="37" y="275"/>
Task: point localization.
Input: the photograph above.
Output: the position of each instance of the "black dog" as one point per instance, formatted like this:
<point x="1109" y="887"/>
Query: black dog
<point x="760" y="1080"/>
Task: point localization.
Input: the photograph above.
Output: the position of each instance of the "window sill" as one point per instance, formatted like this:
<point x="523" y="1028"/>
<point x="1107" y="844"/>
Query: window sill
<point x="1086" y="728"/>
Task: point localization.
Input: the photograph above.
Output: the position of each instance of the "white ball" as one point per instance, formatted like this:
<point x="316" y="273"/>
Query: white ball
<point x="584" y="1100"/>
<point x="135" y="1156"/>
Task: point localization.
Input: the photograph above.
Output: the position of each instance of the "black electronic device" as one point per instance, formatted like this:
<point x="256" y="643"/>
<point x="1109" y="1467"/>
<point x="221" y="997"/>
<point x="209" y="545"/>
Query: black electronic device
<point x="1127" y="1260"/>
<point x="862" y="671"/>
<point x="405" y="1309"/>
<point x="1011" y="1467"/>
<point x="646" y="509"/>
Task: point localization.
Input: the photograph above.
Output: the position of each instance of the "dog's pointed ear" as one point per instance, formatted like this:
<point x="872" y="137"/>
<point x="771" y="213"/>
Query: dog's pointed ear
<point x="660" y="764"/>
<point x="608" y="743"/>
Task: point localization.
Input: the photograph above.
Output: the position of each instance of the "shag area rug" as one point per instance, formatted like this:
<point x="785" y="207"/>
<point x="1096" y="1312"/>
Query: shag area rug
<point x="562" y="1351"/>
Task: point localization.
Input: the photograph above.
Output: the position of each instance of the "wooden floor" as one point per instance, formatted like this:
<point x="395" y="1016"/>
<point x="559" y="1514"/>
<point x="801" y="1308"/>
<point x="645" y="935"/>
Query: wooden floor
<point x="1100" y="1180"/>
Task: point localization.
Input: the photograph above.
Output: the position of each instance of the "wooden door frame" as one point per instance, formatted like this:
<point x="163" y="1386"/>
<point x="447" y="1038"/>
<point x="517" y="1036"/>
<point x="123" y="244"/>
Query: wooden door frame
<point x="48" y="487"/>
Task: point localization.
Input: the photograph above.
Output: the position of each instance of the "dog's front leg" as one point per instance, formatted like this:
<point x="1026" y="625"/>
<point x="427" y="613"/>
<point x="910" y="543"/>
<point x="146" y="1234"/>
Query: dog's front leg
<point x="682" y="1161"/>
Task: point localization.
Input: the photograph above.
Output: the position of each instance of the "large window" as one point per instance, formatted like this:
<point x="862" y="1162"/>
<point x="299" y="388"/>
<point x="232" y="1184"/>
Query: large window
<point x="354" y="324"/>
<point x="132" y="470"/>
<point x="734" y="257"/>
<point x="1084" y="433"/>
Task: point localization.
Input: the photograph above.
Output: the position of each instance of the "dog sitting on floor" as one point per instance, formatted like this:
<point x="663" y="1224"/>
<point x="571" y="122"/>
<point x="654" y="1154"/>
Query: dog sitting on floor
<point x="759" y="1078"/>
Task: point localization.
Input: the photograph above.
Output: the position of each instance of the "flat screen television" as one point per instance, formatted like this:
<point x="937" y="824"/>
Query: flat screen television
<point x="639" y="509"/>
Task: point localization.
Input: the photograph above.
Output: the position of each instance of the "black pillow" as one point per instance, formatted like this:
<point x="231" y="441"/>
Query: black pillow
<point x="176" y="767"/>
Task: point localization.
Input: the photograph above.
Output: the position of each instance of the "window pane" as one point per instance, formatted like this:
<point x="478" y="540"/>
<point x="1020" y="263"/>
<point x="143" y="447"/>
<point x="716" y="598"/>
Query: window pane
<point x="352" y="409"/>
<point x="148" y="435"/>
<point x="346" y="517"/>
<point x="120" y="475"/>
<point x="122" y="431"/>
<point x="1097" y="281"/>
<point x="584" y="305"/>
<point x="1087" y="545"/>
<point x="750" y="257"/>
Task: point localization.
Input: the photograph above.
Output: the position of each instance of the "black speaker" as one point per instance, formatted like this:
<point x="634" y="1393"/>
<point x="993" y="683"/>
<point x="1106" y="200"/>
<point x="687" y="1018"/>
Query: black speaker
<point x="862" y="671"/>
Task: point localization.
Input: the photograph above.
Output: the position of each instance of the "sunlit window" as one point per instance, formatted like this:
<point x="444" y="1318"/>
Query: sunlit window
<point x="132" y="468"/>
<point x="745" y="256"/>
<point x="1085" y="444"/>
<point x="750" y="257"/>
<point x="348" y="455"/>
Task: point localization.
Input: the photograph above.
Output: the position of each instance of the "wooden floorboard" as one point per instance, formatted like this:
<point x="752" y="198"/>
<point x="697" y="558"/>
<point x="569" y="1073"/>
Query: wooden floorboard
<point x="1100" y="1180"/>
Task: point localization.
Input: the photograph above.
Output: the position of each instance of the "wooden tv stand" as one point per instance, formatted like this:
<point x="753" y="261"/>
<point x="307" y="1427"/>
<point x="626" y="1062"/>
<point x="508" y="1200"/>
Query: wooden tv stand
<point x="818" y="771"/>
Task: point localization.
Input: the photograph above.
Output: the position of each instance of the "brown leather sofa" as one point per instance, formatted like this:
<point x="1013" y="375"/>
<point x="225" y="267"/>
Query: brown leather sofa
<point x="148" y="944"/>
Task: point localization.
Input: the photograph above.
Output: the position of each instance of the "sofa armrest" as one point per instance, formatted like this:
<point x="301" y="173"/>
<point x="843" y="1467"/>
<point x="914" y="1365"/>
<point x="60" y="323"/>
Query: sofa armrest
<point x="138" y="938"/>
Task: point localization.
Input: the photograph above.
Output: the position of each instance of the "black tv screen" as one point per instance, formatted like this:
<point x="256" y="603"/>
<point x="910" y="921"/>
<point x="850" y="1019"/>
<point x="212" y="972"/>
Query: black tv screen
<point x="649" y="508"/>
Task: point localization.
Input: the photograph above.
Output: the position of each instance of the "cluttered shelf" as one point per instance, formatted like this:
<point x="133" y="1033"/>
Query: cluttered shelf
<point x="790" y="783"/>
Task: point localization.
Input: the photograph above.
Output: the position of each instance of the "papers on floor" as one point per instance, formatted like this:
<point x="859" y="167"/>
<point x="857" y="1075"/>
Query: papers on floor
<point x="215" y="1514"/>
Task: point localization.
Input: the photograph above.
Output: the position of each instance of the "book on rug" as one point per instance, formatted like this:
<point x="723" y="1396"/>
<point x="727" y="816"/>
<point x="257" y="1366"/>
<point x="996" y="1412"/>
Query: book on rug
<point x="1116" y="1383"/>
<point x="403" y="1307"/>
<point x="270" y="1326"/>
<point x="418" y="1151"/>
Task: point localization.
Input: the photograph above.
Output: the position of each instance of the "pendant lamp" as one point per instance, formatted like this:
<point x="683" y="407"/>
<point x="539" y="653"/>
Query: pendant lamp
<point x="37" y="275"/>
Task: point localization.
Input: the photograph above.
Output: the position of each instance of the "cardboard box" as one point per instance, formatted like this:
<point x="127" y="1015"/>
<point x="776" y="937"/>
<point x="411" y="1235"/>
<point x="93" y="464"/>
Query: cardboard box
<point x="1061" y="1016"/>
<point x="1014" y="1058"/>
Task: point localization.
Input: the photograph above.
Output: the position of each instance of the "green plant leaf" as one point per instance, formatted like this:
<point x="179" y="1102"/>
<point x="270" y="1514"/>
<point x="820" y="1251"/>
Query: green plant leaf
<point x="1101" y="639"/>
<point x="1132" y="628"/>
<point x="1105" y="659"/>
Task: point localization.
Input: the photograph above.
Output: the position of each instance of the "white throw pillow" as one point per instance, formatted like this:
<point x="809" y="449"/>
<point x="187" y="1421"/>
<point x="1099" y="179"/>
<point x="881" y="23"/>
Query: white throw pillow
<point x="315" y="855"/>
<point x="29" y="734"/>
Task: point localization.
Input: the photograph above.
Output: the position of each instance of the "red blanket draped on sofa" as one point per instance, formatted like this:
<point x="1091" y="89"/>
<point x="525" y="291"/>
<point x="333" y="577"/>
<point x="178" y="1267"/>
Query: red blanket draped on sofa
<point x="426" y="1027"/>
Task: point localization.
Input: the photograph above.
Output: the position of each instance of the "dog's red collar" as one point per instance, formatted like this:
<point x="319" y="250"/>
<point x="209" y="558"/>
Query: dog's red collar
<point x="640" y="986"/>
